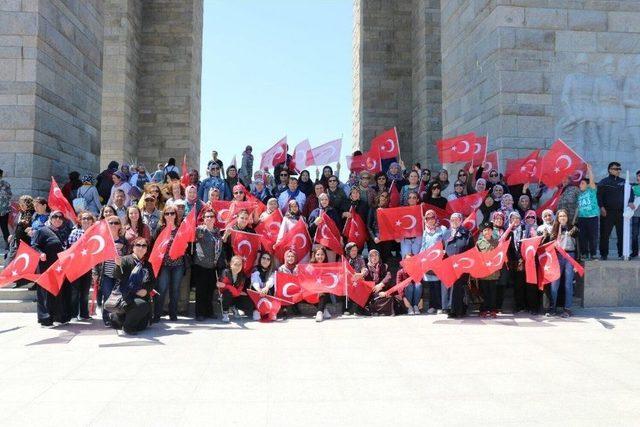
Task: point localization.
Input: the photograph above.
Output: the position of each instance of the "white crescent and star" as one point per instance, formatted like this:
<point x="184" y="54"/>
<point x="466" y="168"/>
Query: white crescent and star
<point x="565" y="158"/>
<point x="264" y="301"/>
<point x="413" y="222"/>
<point x="304" y="241"/>
<point x="526" y="252"/>
<point x="245" y="242"/>
<point x="467" y="146"/>
<point x="285" y="292"/>
<point x="392" y="146"/>
<point x="101" y="244"/>
<point x="26" y="262"/>
<point x="465" y="263"/>
<point x="335" y="280"/>
<point x="323" y="231"/>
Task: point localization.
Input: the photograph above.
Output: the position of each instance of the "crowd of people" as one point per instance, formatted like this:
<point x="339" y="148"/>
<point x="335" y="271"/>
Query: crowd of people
<point x="138" y="206"/>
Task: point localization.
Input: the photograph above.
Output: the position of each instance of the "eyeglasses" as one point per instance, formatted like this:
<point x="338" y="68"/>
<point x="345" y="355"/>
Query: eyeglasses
<point x="530" y="217"/>
<point x="493" y="174"/>
<point x="56" y="217"/>
<point x="209" y="216"/>
<point x="380" y="178"/>
<point x="266" y="258"/>
<point x="86" y="219"/>
<point x="169" y="214"/>
<point x="114" y="223"/>
<point x="333" y="180"/>
<point x="284" y="174"/>
<point x="215" y="168"/>
<point x="238" y="192"/>
<point x="462" y="174"/>
<point x="616" y="169"/>
<point x="140" y="245"/>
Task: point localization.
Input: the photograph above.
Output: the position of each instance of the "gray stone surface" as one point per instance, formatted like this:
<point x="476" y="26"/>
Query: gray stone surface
<point x="612" y="284"/>
<point x="360" y="371"/>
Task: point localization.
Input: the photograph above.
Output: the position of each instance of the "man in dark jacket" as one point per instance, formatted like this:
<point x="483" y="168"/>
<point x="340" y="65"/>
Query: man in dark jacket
<point x="104" y="181"/>
<point x="612" y="204"/>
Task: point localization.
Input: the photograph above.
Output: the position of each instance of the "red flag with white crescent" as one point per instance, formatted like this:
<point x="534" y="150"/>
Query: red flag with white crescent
<point x="386" y="144"/>
<point x="266" y="305"/>
<point x="186" y="234"/>
<point x="53" y="278"/>
<point x="471" y="223"/>
<point x="57" y="202"/>
<point x="268" y="230"/>
<point x="492" y="161"/>
<point x="275" y="155"/>
<point x="297" y="239"/>
<point x="23" y="266"/>
<point x="96" y="245"/>
<point x="323" y="278"/>
<point x="223" y="212"/>
<point x="468" y="262"/>
<point x="185" y="172"/>
<point x="494" y="259"/>
<point x="300" y="156"/>
<point x="552" y="203"/>
<point x="399" y="223"/>
<point x="355" y="229"/>
<point x="160" y="248"/>
<point x="394" y="195"/>
<point x="528" y="249"/>
<point x="368" y="161"/>
<point x="325" y="153"/>
<point x="245" y="245"/>
<point x="328" y="235"/>
<point x="522" y="171"/>
<point x="424" y="261"/>
<point x="457" y="149"/>
<point x="467" y="204"/>
<point x="576" y="265"/>
<point x="548" y="265"/>
<point x="288" y="288"/>
<point x="559" y="162"/>
<point x="399" y="287"/>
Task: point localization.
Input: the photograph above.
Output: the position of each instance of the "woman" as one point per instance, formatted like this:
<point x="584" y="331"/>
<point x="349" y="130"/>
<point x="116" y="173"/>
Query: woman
<point x="315" y="219"/>
<point x="546" y="227"/>
<point x="425" y="181"/>
<point x="411" y="245"/>
<point x="498" y="220"/>
<point x="106" y="212"/>
<point x="566" y="236"/>
<point x="50" y="240"/>
<point x="488" y="284"/>
<point x="381" y="183"/>
<point x="378" y="273"/>
<point x="89" y="195"/>
<point x="434" y="196"/>
<point x="432" y="234"/>
<point x="135" y="227"/>
<point x="487" y="208"/>
<point x="530" y="224"/>
<point x="208" y="260"/>
<point x="357" y="204"/>
<point x="154" y="190"/>
<point x="174" y="191"/>
<point x="238" y="194"/>
<point x="23" y="227"/>
<point x="384" y="247"/>
<point x="319" y="256"/>
<point x="191" y="194"/>
<point x="411" y="187"/>
<point x="40" y="215"/>
<point x="327" y="172"/>
<point x="104" y="274"/>
<point x="80" y="287"/>
<point x="120" y="182"/>
<point x="458" y="191"/>
<point x="246" y="167"/>
<point x="497" y="191"/>
<point x="443" y="180"/>
<point x="232" y="286"/>
<point x="395" y="176"/>
<point x="480" y="186"/>
<point x="263" y="278"/>
<point x="359" y="266"/>
<point x="260" y="190"/>
<point x="290" y="219"/>
<point x="588" y="214"/>
<point x="456" y="240"/>
<point x="412" y="294"/>
<point x="506" y="204"/>
<point x="171" y="271"/>
<point x="494" y="179"/>
<point x="272" y="206"/>
<point x="304" y="183"/>
<point x="135" y="281"/>
<point x="232" y="178"/>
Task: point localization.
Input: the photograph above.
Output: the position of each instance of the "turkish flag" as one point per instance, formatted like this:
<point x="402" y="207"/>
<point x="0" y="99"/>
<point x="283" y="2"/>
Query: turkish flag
<point x="522" y="171"/>
<point x="23" y="266"/>
<point x="265" y="304"/>
<point x="552" y="203"/>
<point x="53" y="278"/>
<point x="467" y="204"/>
<point x="426" y="260"/>
<point x="528" y="249"/>
<point x="57" y="202"/>
<point x="399" y="287"/>
<point x="297" y="238"/>
<point x="185" y="172"/>
<point x="328" y="277"/>
<point x="268" y="230"/>
<point x="468" y="262"/>
<point x="394" y="195"/>
<point x="254" y="203"/>
<point x="471" y="223"/>
<point x="479" y="149"/>
<point x="186" y="234"/>
<point x="328" y="235"/>
<point x="576" y="265"/>
<point x="559" y="162"/>
<point x="95" y="246"/>
<point x="457" y="149"/>
<point x="325" y="153"/>
<point x="386" y="144"/>
<point x="548" y="265"/>
<point x="355" y="230"/>
<point x="288" y="288"/>
<point x="160" y="248"/>
<point x="494" y="259"/>
<point x="399" y="223"/>
<point x="491" y="161"/>
<point x="299" y="158"/>
<point x="223" y="212"/>
<point x="245" y="245"/>
<point x="275" y="155"/>
<point x="442" y="214"/>
<point x="235" y="291"/>
<point x="368" y="161"/>
<point x="360" y="291"/>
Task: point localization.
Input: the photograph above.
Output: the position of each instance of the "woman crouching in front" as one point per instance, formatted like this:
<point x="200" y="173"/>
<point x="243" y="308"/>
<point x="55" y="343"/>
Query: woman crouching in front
<point x="232" y="286"/>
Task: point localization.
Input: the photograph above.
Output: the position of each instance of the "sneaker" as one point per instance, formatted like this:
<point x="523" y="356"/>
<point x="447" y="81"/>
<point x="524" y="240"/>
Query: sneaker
<point x="564" y="314"/>
<point x="569" y="312"/>
<point x="410" y="311"/>
<point x="319" y="317"/>
<point x="256" y="315"/>
<point x="416" y="309"/>
<point x="236" y="313"/>
<point x="225" y="318"/>
<point x="326" y="314"/>
<point x="431" y="311"/>
<point x="273" y="317"/>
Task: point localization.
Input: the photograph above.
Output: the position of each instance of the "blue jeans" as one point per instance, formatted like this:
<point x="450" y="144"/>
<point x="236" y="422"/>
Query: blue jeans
<point x="411" y="245"/>
<point x="168" y="279"/>
<point x="566" y="274"/>
<point x="445" y="296"/>
<point x="107" y="285"/>
<point x="413" y="293"/>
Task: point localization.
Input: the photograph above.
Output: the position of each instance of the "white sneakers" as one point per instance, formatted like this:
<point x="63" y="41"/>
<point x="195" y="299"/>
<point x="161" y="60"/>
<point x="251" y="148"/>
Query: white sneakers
<point x="416" y="309"/>
<point x="319" y="316"/>
<point x="256" y="315"/>
<point x="225" y="317"/>
<point x="410" y="311"/>
<point x="431" y="311"/>
<point x="326" y="314"/>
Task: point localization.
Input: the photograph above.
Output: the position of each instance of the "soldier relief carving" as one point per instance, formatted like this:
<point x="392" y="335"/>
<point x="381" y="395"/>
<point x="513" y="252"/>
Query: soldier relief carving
<point x="601" y="112"/>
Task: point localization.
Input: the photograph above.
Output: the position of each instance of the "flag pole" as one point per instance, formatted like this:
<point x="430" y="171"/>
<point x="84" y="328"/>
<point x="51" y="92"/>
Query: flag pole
<point x="626" y="222"/>
<point x="346" y="288"/>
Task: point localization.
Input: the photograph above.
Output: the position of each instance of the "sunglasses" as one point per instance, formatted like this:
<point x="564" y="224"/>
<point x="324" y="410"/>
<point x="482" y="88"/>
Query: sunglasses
<point x="333" y="180"/>
<point x="284" y="174"/>
<point x="616" y="169"/>
<point x="114" y="223"/>
<point x="493" y="174"/>
<point x="56" y="217"/>
<point x="169" y="214"/>
<point x="140" y="245"/>
<point x="380" y="178"/>
<point x="238" y="192"/>
<point x="266" y="258"/>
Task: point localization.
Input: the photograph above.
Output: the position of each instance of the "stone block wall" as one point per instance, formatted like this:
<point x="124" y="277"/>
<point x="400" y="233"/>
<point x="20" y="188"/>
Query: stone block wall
<point x="527" y="72"/>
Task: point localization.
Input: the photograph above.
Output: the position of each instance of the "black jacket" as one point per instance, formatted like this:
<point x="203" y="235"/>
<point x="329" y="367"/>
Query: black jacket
<point x="611" y="193"/>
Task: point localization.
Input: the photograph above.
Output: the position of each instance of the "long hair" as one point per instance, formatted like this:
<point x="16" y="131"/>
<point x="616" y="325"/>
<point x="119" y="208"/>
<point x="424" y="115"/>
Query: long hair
<point x="162" y="223"/>
<point x="139" y="227"/>
<point x="555" y="228"/>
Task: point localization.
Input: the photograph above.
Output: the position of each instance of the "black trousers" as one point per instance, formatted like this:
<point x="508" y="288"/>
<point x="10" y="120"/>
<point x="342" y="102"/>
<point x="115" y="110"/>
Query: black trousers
<point x="79" y="305"/>
<point x="4" y="225"/>
<point x="607" y="223"/>
<point x="242" y="302"/>
<point x="435" y="293"/>
<point x="45" y="306"/>
<point x="458" y="308"/>
<point x="520" y="286"/>
<point x="205" y="280"/>
<point x="588" y="235"/>
<point x="323" y="301"/>
<point x="135" y="319"/>
<point x="489" y="290"/>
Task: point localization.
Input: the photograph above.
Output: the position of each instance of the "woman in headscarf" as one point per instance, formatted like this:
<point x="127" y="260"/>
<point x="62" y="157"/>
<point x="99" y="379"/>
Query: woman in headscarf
<point x="378" y="273"/>
<point x="433" y="196"/>
<point x="530" y="225"/>
<point x="193" y="202"/>
<point x="263" y="278"/>
<point x="458" y="191"/>
<point x="494" y="179"/>
<point x="443" y="180"/>
<point x="497" y="191"/>
<point x="260" y="190"/>
<point x="89" y="194"/>
<point x="395" y="176"/>
<point x="487" y="208"/>
<point x="544" y="229"/>
<point x="506" y="204"/>
<point x="315" y="219"/>
<point x="479" y="187"/>
<point x="412" y="187"/>
<point x="524" y="204"/>
<point x="327" y="172"/>
<point x="517" y="280"/>
<point x="272" y="205"/>
<point x="457" y="239"/>
<point x="411" y="245"/>
<point x="498" y="219"/>
<point x="566" y="236"/>
<point x="357" y="263"/>
<point x="432" y="234"/>
<point x="289" y="266"/>
<point x="246" y="167"/>
<point x="304" y="183"/>
<point x="232" y="178"/>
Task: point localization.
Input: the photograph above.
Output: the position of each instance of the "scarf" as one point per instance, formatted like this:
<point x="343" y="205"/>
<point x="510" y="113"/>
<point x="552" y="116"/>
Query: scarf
<point x="427" y="227"/>
<point x="293" y="194"/>
<point x="394" y="177"/>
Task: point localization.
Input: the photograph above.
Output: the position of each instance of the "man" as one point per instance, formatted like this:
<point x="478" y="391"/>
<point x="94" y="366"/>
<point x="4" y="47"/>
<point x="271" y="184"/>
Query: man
<point x="292" y="192"/>
<point x="181" y="207"/>
<point x="104" y="181"/>
<point x="212" y="181"/>
<point x="140" y="178"/>
<point x="367" y="194"/>
<point x="158" y="175"/>
<point x="215" y="160"/>
<point x="119" y="199"/>
<point x="612" y="203"/>
<point x="283" y="175"/>
<point x="246" y="169"/>
<point x="151" y="214"/>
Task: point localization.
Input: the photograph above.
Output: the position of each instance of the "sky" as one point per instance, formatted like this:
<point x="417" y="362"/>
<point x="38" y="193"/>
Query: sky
<point x="275" y="68"/>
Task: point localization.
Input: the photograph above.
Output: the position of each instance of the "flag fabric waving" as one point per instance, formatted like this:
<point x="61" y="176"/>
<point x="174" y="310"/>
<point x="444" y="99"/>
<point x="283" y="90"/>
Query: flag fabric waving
<point x="57" y="202"/>
<point x="275" y="155"/>
<point x="559" y="162"/>
<point x="95" y="246"/>
<point x="185" y="172"/>
<point x="355" y="229"/>
<point x="457" y="149"/>
<point x="297" y="239"/>
<point x="53" y="278"/>
<point x="522" y="171"/>
<point x="325" y="153"/>
<point x="328" y="235"/>
<point x="576" y="265"/>
<point x="399" y="287"/>
<point x="186" y="234"/>
<point x="322" y="278"/>
<point x="528" y="249"/>
<point x="287" y="287"/>
<point x="552" y="203"/>
<point x="160" y="248"/>
<point x="268" y="230"/>
<point x="299" y="158"/>
<point x="399" y="223"/>
<point x="245" y="245"/>
<point x="386" y="144"/>
<point x="368" y="161"/>
<point x="426" y="260"/>
<point x="467" y="204"/>
<point x="23" y="266"/>
<point x="265" y="304"/>
<point x="548" y="265"/>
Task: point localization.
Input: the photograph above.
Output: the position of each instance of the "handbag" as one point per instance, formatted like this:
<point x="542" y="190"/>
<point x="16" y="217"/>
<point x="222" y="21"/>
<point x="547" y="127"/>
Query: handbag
<point x="115" y="303"/>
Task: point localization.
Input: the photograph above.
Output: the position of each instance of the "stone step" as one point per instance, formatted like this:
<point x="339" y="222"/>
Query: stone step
<point x="17" y="306"/>
<point x="22" y="293"/>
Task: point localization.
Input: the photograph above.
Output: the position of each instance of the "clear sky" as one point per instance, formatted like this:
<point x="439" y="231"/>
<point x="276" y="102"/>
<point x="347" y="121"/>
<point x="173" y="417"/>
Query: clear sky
<point x="275" y="68"/>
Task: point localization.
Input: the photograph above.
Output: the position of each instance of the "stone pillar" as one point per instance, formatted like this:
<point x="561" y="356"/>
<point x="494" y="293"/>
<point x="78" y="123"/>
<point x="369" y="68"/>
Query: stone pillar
<point x="169" y="81"/>
<point x="119" y="80"/>
<point x="50" y="90"/>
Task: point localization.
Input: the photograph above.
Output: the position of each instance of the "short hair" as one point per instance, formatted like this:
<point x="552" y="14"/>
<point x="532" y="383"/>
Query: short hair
<point x="120" y="190"/>
<point x="612" y="164"/>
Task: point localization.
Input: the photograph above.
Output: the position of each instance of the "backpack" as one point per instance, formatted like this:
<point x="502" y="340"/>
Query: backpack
<point x="79" y="203"/>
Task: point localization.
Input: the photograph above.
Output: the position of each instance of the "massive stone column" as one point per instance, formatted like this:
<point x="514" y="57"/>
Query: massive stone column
<point x="169" y="81"/>
<point x="50" y="90"/>
<point x="527" y="74"/>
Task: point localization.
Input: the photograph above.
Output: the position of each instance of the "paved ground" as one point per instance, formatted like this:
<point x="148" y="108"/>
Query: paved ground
<point x="423" y="370"/>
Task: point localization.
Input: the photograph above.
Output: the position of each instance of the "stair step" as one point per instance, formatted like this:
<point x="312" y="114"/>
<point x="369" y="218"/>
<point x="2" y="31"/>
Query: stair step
<point x="17" y="306"/>
<point x="22" y="293"/>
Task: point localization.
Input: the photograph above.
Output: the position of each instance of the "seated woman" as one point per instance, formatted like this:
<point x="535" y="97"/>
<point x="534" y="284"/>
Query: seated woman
<point x="359" y="266"/>
<point x="135" y="276"/>
<point x="378" y="273"/>
<point x="412" y="294"/>
<point x="290" y="266"/>
<point x="319" y="256"/>
<point x="489" y="284"/>
<point x="262" y="278"/>
<point x="232" y="286"/>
